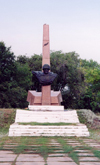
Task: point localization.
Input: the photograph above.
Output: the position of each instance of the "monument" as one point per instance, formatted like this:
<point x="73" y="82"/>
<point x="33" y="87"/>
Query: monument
<point x="45" y="78"/>
<point x="46" y="106"/>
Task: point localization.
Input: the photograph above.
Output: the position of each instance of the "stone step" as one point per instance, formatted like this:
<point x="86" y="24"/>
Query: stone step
<point x="45" y="116"/>
<point x="68" y="130"/>
<point x="46" y="108"/>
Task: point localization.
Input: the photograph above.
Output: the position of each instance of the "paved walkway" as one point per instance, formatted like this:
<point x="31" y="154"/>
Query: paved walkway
<point x="83" y="148"/>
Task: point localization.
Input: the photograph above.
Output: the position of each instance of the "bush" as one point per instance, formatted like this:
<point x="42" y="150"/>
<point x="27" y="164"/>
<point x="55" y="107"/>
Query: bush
<point x="89" y="118"/>
<point x="7" y="117"/>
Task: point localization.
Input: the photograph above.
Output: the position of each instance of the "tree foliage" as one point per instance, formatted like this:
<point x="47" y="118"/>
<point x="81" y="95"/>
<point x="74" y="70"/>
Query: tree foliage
<point x="78" y="80"/>
<point x="7" y="65"/>
<point x="70" y="78"/>
<point x="15" y="80"/>
<point x="91" y="98"/>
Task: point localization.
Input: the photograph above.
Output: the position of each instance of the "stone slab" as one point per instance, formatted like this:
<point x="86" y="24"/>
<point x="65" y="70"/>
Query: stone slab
<point x="81" y="159"/>
<point x="7" y="157"/>
<point x="61" y="163"/>
<point x="46" y="108"/>
<point x="71" y="141"/>
<point x="89" y="163"/>
<point x="58" y="151"/>
<point x="94" y="145"/>
<point x="86" y="154"/>
<point x="6" y="163"/>
<point x="88" y="140"/>
<point x="82" y="151"/>
<point x="30" y="163"/>
<point x="5" y="152"/>
<point x="29" y="158"/>
<point x="75" y="144"/>
<point x="57" y="154"/>
<point x="59" y="159"/>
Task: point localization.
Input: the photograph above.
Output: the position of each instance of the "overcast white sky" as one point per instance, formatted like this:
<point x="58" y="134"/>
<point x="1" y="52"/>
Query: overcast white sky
<point x="74" y="26"/>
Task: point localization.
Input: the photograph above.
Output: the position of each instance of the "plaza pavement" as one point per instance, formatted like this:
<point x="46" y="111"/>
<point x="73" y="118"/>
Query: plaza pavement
<point x="58" y="157"/>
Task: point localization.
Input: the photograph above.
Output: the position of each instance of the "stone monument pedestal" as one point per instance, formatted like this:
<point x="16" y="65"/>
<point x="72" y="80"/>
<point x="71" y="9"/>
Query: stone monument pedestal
<point x="35" y="98"/>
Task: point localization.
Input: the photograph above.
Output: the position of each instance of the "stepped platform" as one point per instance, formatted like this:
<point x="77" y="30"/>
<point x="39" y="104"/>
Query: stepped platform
<point x="46" y="116"/>
<point x="72" y="125"/>
<point x="38" y="130"/>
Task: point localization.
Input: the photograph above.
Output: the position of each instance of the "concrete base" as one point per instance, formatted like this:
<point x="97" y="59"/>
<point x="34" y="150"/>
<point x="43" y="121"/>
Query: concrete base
<point x="39" y="98"/>
<point x="25" y="116"/>
<point x="45" y="108"/>
<point x="46" y="117"/>
<point x="28" y="130"/>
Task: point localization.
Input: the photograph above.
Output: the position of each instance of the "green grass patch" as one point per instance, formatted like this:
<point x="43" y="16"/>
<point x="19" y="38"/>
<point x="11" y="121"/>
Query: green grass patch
<point x="41" y="146"/>
<point x="20" y="149"/>
<point x="69" y="149"/>
<point x="84" y="147"/>
<point x="95" y="134"/>
<point x="44" y="151"/>
<point x="82" y="116"/>
<point x="25" y="140"/>
<point x="1" y="145"/>
<point x="4" y="130"/>
<point x="7" y="117"/>
<point x="74" y="156"/>
<point x="42" y="140"/>
<point x="97" y="153"/>
<point x="48" y="124"/>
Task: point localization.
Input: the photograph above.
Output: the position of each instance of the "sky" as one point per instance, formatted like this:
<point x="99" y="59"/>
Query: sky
<point x="74" y="25"/>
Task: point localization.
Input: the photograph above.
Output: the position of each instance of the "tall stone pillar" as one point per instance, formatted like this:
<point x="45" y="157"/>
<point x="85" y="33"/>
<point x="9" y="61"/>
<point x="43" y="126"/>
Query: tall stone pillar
<point x="46" y="45"/>
<point x="46" y="97"/>
<point x="46" y="90"/>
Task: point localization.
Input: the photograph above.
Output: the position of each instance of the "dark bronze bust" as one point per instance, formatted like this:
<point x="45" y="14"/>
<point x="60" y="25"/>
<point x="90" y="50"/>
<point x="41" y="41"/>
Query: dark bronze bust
<point x="45" y="77"/>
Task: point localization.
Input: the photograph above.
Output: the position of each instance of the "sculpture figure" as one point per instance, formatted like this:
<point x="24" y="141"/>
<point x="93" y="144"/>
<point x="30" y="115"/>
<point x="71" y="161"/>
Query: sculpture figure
<point x="45" y="77"/>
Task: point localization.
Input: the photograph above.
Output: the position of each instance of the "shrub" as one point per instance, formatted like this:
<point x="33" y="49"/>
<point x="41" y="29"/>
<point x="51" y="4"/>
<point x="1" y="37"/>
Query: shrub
<point x="7" y="117"/>
<point x="89" y="118"/>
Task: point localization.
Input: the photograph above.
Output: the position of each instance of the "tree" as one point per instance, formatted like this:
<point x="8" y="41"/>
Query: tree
<point x="7" y="65"/>
<point x="15" y="80"/>
<point x="7" y="73"/>
<point x="22" y="59"/>
<point x="70" y="78"/>
<point x="23" y="76"/>
<point x="91" y="97"/>
<point x="78" y="80"/>
<point x="35" y="64"/>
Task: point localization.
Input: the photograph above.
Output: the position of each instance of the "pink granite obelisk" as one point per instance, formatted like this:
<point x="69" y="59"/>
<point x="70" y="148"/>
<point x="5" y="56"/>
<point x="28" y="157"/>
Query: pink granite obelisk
<point x="46" y="45"/>
<point x="46" y="90"/>
<point x="46" y="97"/>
